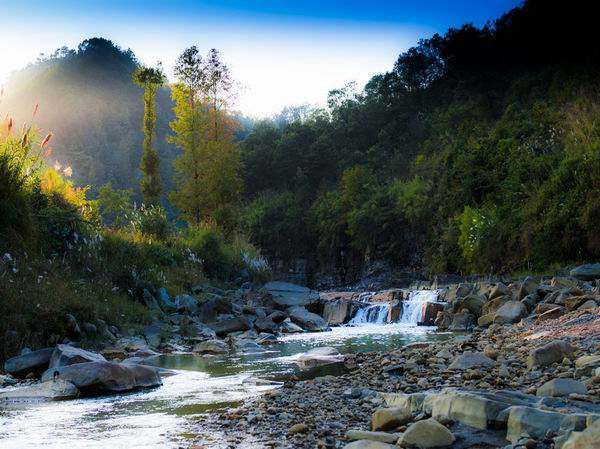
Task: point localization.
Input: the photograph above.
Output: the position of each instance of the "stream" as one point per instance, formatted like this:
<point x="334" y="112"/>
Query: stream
<point x="169" y="416"/>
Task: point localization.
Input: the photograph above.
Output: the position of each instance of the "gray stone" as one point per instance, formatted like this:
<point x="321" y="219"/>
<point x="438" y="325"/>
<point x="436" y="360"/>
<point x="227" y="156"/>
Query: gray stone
<point x="462" y="321"/>
<point x="561" y="387"/>
<point x="382" y="437"/>
<point x="287" y="327"/>
<point x="389" y="418"/>
<point x="265" y="325"/>
<point x="588" y="272"/>
<point x="369" y="444"/>
<point x="35" y="362"/>
<point x="468" y="360"/>
<point x="286" y="294"/>
<point x="52" y="390"/>
<point x="510" y="312"/>
<point x="550" y="353"/>
<point x="411" y="403"/>
<point x="186" y="304"/>
<point x="336" y="311"/>
<point x="277" y="316"/>
<point x="230" y="325"/>
<point x="308" y="320"/>
<point x="106" y="377"/>
<point x="212" y="347"/>
<point x="319" y="357"/>
<point x="585" y="365"/>
<point x="246" y="345"/>
<point x="65" y="355"/>
<point x="164" y="300"/>
<point x="587" y="439"/>
<point x="426" y="434"/>
<point x="536" y="423"/>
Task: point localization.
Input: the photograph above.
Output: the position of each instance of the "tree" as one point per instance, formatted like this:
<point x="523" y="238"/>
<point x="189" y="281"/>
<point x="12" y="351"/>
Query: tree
<point x="208" y="181"/>
<point x="150" y="79"/>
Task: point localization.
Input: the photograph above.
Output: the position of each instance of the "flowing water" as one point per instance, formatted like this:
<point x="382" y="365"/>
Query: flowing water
<point x="168" y="416"/>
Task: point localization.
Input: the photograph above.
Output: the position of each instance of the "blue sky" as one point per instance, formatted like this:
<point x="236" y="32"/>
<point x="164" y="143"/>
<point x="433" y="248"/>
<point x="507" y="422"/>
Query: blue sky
<point x="281" y="52"/>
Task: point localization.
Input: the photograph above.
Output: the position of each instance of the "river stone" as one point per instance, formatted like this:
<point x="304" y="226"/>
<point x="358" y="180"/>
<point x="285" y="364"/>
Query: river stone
<point x="498" y="290"/>
<point x="510" y="312"/>
<point x="34" y="361"/>
<point x="212" y="347"/>
<point x="584" y="366"/>
<point x="65" y="355"/>
<point x="369" y="444"/>
<point x="462" y="321"/>
<point x="587" y="439"/>
<point x="164" y="300"/>
<point x="536" y="423"/>
<point x="411" y="403"/>
<point x="277" y="316"/>
<point x="382" y="437"/>
<point x="389" y="418"/>
<point x="106" y="377"/>
<point x="336" y="311"/>
<point x="561" y="387"/>
<point x="246" y="345"/>
<point x="588" y="272"/>
<point x="425" y="434"/>
<point x="319" y="357"/>
<point x="287" y="327"/>
<point x="308" y="320"/>
<point x="230" y="325"/>
<point x="286" y="294"/>
<point x="473" y="303"/>
<point x="468" y="360"/>
<point x="52" y="390"/>
<point x="186" y="304"/>
<point x="265" y="325"/>
<point x="550" y="353"/>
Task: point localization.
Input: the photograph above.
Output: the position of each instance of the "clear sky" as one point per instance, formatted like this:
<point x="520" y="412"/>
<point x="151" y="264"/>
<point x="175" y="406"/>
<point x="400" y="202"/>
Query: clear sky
<point x="281" y="52"/>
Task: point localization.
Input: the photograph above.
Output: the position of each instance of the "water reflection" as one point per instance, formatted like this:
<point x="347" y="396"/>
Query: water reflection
<point x="164" y="417"/>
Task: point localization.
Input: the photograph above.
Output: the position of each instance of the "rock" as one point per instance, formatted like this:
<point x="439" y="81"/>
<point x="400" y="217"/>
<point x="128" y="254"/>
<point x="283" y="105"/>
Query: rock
<point x="286" y="294"/>
<point x="230" y="325"/>
<point x="550" y="353"/>
<point x="486" y="320"/>
<point x="153" y="334"/>
<point x="132" y="344"/>
<point x="588" y="272"/>
<point x="462" y="322"/>
<point x="561" y="387"/>
<point x="149" y="300"/>
<point x="498" y="290"/>
<point x="277" y="316"/>
<point x="430" y="312"/>
<point x="586" y="364"/>
<point x="73" y="330"/>
<point x="369" y="444"/>
<point x="186" y="304"/>
<point x="287" y="327"/>
<point x="389" y="418"/>
<point x="336" y="312"/>
<point x="537" y="423"/>
<point x="551" y="314"/>
<point x="589" y="304"/>
<point x="212" y="347"/>
<point x="510" y="312"/>
<point x="246" y="345"/>
<point x="298" y="428"/>
<point x="36" y="362"/>
<point x="89" y="328"/>
<point x="587" y="439"/>
<point x="264" y="338"/>
<point x="411" y="403"/>
<point x="266" y="325"/>
<point x="382" y="437"/>
<point x="426" y="434"/>
<point x="527" y="287"/>
<point x="106" y="377"/>
<point x="7" y="380"/>
<point x="468" y="360"/>
<point x="52" y="390"/>
<point x="472" y="303"/>
<point x="164" y="300"/>
<point x="65" y="355"/>
<point x="308" y="320"/>
<point x="319" y="357"/>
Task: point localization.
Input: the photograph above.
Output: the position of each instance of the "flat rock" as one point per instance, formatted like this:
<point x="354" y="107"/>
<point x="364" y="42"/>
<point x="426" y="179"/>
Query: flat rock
<point x="389" y="418"/>
<point x="319" y="357"/>
<point x="52" y="390"/>
<point x="308" y="320"/>
<point x="468" y="360"/>
<point x="536" y="423"/>
<point x="369" y="444"/>
<point x="34" y="361"/>
<point x="426" y="434"/>
<point x="287" y="294"/>
<point x="212" y="347"/>
<point x="561" y="387"/>
<point x="230" y="325"/>
<point x="65" y="355"/>
<point x="587" y="272"/>
<point x="382" y="437"/>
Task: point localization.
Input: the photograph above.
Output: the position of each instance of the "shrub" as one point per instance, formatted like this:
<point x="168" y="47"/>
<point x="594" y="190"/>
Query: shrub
<point x="209" y="245"/>
<point x="150" y="221"/>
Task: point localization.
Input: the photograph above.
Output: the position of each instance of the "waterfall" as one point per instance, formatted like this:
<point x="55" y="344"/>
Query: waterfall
<point x="371" y="314"/>
<point x="414" y="306"/>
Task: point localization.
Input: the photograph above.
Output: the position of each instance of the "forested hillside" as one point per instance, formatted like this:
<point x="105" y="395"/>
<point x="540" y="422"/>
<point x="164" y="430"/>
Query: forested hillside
<point x="478" y="152"/>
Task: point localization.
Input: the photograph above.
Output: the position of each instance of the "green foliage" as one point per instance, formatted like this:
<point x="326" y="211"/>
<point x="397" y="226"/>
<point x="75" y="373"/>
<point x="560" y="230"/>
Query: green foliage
<point x="114" y="205"/>
<point x="150" y="221"/>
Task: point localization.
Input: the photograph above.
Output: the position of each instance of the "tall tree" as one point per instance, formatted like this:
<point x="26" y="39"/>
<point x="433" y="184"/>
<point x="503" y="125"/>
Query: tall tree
<point x="150" y="79"/>
<point x="208" y="181"/>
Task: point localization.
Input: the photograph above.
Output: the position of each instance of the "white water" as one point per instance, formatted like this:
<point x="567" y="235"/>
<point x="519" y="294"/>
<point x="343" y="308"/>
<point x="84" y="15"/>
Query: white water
<point x="412" y="309"/>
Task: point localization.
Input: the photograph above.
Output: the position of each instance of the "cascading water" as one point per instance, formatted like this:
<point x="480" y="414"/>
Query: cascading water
<point x="414" y="307"/>
<point x="371" y="314"/>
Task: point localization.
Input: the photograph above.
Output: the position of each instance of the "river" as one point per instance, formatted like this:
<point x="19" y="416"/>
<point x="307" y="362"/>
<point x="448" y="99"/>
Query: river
<point x="169" y="416"/>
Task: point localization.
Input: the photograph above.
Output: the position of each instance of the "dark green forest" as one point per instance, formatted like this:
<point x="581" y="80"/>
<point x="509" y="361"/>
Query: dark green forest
<point x="478" y="152"/>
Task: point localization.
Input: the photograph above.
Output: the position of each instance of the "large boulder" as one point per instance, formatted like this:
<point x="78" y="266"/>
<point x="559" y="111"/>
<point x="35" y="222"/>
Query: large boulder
<point x="587" y="439"/>
<point x="65" y="355"/>
<point x="288" y="295"/>
<point x="462" y="321"/>
<point x="266" y="325"/>
<point x="318" y="357"/>
<point x="52" y="390"/>
<point x="585" y="365"/>
<point x="106" y="377"/>
<point x="588" y="272"/>
<point x="287" y="327"/>
<point x="561" y="387"/>
<point x="430" y="311"/>
<point x="472" y="303"/>
<point x="164" y="300"/>
<point x="550" y="353"/>
<point x="425" y="434"/>
<point x="230" y="325"/>
<point x="31" y="362"/>
<point x="212" y="347"/>
<point x="537" y="423"/>
<point x="382" y="437"/>
<point x="246" y="345"/>
<point x="336" y="311"/>
<point x="468" y="360"/>
<point x="510" y="312"/>
<point x="186" y="304"/>
<point x="389" y="418"/>
<point x="308" y="320"/>
<point x="411" y="403"/>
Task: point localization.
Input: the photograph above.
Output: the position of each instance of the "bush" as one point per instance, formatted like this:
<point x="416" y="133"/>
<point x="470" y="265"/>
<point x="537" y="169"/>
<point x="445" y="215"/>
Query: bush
<point x="208" y="244"/>
<point x="150" y="221"/>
